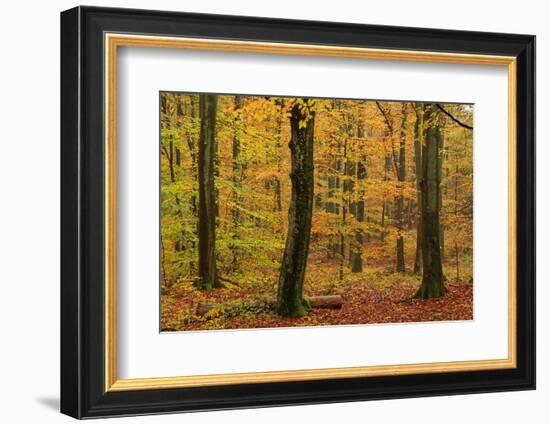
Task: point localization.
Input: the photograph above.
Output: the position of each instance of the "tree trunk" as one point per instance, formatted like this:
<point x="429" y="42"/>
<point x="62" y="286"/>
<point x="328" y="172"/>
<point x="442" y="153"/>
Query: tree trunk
<point x="290" y="302"/>
<point x="356" y="259"/>
<point x="347" y="186"/>
<point x="165" y="279"/>
<point x="237" y="176"/>
<point x="418" y="132"/>
<point x="387" y="160"/>
<point x="208" y="278"/>
<point x="171" y="160"/>
<point x="277" y="189"/>
<point x="334" y="207"/>
<point x="441" y="150"/>
<point x="178" y="244"/>
<point x="400" y="244"/>
<point x="457" y="260"/>
<point x="432" y="275"/>
<point x="192" y="143"/>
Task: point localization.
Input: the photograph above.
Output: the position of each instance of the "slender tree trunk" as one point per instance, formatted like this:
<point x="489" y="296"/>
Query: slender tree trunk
<point x="171" y="160"/>
<point x="456" y="231"/>
<point x="166" y="280"/>
<point x="178" y="244"/>
<point x="192" y="146"/>
<point x="333" y="184"/>
<point x="178" y="157"/>
<point x="441" y="151"/>
<point x="208" y="278"/>
<point x="329" y="208"/>
<point x="369" y="221"/>
<point x="356" y="259"/>
<point x="432" y="274"/>
<point x="278" y="202"/>
<point x="192" y="143"/>
<point x="237" y="176"/>
<point x="383" y="221"/>
<point x="418" y="132"/>
<point x="390" y="159"/>
<point x="400" y="244"/>
<point x="387" y="160"/>
<point x="347" y="186"/>
<point x="290" y="301"/>
<point x="337" y="242"/>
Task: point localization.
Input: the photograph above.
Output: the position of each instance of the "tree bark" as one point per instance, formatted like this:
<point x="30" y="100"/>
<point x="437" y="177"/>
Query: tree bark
<point x="418" y="132"/>
<point x="333" y="183"/>
<point x="356" y="259"/>
<point x="457" y="259"/>
<point x="400" y="243"/>
<point x="277" y="180"/>
<point x="237" y="176"/>
<point x="432" y="275"/>
<point x="387" y="167"/>
<point x="441" y="150"/>
<point x="191" y="142"/>
<point x="290" y="302"/>
<point x="165" y="279"/>
<point x="169" y="153"/>
<point x="208" y="278"/>
<point x="347" y="186"/>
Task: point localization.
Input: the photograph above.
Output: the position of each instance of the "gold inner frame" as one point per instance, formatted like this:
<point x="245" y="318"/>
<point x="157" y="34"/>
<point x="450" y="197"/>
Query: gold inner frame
<point x="113" y="41"/>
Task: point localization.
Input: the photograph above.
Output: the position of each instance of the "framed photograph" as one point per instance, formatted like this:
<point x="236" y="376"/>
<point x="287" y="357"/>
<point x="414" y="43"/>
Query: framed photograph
<point x="261" y="212"/>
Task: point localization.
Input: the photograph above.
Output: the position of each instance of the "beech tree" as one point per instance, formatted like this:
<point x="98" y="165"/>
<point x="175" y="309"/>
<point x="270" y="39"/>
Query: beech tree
<point x="208" y="277"/>
<point x="432" y="285"/>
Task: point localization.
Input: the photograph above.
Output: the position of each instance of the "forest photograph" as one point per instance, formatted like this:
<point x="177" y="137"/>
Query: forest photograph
<point x="292" y="212"/>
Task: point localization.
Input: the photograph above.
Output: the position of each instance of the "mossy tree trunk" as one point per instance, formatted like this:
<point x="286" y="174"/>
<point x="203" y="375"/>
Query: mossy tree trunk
<point x="208" y="278"/>
<point x="290" y="301"/>
<point x="432" y="274"/>
<point x="418" y="132"/>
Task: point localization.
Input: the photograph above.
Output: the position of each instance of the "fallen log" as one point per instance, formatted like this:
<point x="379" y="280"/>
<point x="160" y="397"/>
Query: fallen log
<point x="321" y="301"/>
<point x="326" y="301"/>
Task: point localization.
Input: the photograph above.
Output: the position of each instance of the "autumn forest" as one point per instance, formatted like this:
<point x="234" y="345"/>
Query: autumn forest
<point x="279" y="211"/>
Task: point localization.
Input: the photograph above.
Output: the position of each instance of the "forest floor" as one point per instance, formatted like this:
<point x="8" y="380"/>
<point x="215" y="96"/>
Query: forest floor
<point x="373" y="296"/>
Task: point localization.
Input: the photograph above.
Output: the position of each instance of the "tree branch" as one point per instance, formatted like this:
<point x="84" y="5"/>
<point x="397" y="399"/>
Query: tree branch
<point x="390" y="128"/>
<point x="386" y="118"/>
<point x="460" y="123"/>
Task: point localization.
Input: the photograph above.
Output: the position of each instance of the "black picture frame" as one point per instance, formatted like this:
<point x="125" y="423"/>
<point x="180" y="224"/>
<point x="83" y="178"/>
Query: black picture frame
<point x="83" y="392"/>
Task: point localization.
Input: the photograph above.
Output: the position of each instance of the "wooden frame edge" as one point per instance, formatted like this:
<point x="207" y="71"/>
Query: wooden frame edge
<point x="306" y="375"/>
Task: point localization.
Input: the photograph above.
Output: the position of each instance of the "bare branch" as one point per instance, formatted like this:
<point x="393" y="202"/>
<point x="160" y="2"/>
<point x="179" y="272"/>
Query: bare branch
<point x="460" y="123"/>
